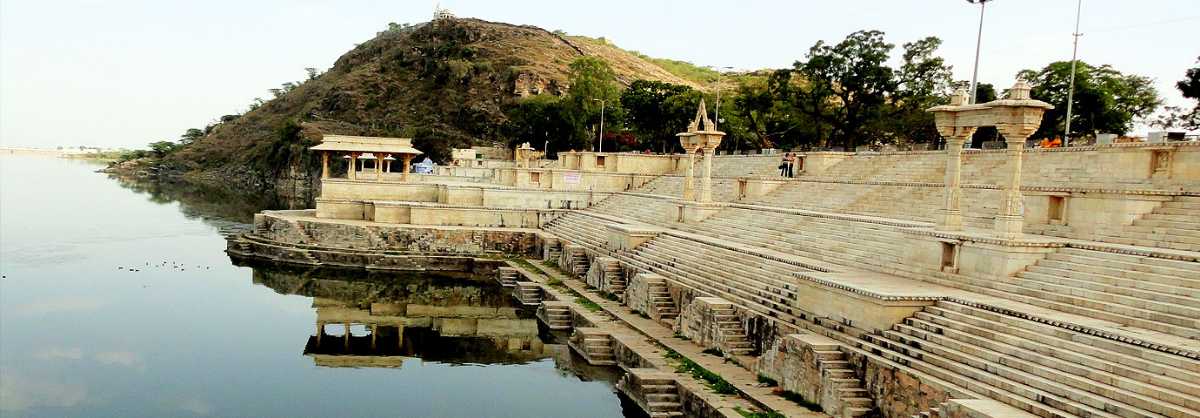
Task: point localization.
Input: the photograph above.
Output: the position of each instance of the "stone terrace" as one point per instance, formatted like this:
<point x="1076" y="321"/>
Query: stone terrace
<point x="846" y="285"/>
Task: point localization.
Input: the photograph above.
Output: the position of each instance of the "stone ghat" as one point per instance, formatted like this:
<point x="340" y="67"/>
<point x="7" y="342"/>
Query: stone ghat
<point x="299" y="238"/>
<point x="909" y="367"/>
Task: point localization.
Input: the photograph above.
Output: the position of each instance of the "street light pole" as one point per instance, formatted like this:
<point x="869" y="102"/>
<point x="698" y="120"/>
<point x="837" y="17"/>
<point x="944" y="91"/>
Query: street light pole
<point x="978" y="43"/>
<point x="601" y="123"/>
<point x="1071" y="90"/>
<point x="717" y="115"/>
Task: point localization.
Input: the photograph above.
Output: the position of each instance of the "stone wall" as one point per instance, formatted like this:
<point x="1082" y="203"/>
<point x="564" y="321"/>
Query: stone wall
<point x="701" y="321"/>
<point x="896" y="391"/>
<point x="600" y="275"/>
<point x="441" y="240"/>
<point x="637" y="294"/>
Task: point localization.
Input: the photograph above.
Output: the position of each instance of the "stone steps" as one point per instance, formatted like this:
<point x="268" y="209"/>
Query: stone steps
<point x="1175" y="224"/>
<point x="1017" y="365"/>
<point x="594" y="345"/>
<point x="1152" y="361"/>
<point x="1009" y="289"/>
<point x="996" y="387"/>
<point x="1109" y="297"/>
<point x="556" y="315"/>
<point x="528" y="293"/>
<point x="1098" y="364"/>
<point x="507" y="276"/>
<point x="1122" y="273"/>
<point x="656" y="392"/>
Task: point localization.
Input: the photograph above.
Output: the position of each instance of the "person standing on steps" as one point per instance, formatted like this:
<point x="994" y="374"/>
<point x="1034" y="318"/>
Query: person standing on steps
<point x="783" y="165"/>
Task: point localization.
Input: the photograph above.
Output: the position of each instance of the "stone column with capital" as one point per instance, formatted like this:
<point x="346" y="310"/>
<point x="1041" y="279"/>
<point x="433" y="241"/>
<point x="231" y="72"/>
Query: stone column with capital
<point x="706" y="181"/>
<point x="353" y="172"/>
<point x="951" y="216"/>
<point x="1011" y="220"/>
<point x="688" y="185"/>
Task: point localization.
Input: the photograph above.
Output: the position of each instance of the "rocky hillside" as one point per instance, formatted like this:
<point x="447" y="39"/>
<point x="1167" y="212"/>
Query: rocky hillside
<point x="445" y="83"/>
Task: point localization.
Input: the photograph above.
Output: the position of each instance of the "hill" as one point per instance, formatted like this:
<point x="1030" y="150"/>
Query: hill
<point x="445" y="83"/>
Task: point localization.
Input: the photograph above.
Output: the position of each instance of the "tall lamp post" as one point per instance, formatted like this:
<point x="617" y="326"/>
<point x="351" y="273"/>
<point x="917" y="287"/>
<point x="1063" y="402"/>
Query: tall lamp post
<point x="717" y="116"/>
<point x="601" y="123"/>
<point x="1071" y="90"/>
<point x="978" y="42"/>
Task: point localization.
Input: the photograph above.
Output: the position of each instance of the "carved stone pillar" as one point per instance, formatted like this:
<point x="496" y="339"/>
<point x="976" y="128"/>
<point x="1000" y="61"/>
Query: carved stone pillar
<point x="706" y="181"/>
<point x="324" y="164"/>
<point x="1011" y="219"/>
<point x="378" y="167"/>
<point x="951" y="217"/>
<point x="407" y="166"/>
<point x="688" y="185"/>
<point x="353" y="172"/>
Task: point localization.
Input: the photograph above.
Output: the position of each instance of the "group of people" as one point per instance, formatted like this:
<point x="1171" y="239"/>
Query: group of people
<point x="787" y="165"/>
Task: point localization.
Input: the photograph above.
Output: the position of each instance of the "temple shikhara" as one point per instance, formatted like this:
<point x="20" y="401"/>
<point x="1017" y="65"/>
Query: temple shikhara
<point x="1013" y="282"/>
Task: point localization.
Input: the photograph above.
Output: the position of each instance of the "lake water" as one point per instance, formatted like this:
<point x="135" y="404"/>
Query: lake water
<point x="118" y="300"/>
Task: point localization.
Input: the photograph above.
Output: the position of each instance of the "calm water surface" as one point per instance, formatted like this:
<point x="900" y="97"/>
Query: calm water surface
<point x="118" y="300"/>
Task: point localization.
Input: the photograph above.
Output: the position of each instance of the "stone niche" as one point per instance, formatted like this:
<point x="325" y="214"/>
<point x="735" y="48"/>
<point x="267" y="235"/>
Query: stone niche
<point x="976" y="256"/>
<point x="750" y="188"/>
<point x="1086" y="215"/>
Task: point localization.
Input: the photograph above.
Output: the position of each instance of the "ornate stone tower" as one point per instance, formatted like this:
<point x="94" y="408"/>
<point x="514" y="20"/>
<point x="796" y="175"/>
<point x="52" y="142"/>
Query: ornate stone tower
<point x="701" y="138"/>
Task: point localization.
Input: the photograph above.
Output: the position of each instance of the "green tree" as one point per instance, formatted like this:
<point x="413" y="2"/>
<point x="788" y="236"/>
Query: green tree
<point x="766" y="107"/>
<point x="1106" y="100"/>
<point x="924" y="81"/>
<point x="656" y="111"/>
<point x="847" y="86"/>
<point x="191" y="136"/>
<point x="593" y="86"/>
<point x="160" y="149"/>
<point x="1180" y="117"/>
<point x="541" y="121"/>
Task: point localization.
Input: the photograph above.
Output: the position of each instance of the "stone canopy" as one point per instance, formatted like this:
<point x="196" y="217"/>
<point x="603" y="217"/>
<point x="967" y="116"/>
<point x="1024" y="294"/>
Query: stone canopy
<point x="374" y="145"/>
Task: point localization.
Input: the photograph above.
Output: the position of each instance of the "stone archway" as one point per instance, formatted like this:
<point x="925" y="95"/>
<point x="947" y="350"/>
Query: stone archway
<point x="1016" y="117"/>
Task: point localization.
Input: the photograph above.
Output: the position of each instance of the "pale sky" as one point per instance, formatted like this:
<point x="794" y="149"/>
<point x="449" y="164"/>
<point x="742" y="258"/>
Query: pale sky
<point x="128" y="72"/>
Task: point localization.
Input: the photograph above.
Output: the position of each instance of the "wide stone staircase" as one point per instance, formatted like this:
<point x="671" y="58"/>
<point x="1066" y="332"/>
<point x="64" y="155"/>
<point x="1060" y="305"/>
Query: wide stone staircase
<point x="1174" y="225"/>
<point x="746" y="165"/>
<point x="1043" y="369"/>
<point x="723" y="189"/>
<point x="1170" y="306"/>
<point x="1152" y="293"/>
<point x="895" y="167"/>
<point x="639" y="208"/>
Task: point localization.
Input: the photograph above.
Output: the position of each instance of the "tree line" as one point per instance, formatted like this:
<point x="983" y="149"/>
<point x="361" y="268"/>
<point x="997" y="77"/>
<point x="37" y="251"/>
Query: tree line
<point x="839" y="96"/>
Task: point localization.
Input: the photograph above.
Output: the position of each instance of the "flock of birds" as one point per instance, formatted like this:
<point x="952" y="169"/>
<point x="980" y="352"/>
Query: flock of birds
<point x="174" y="266"/>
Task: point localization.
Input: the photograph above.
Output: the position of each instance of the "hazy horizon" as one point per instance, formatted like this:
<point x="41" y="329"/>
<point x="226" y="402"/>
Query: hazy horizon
<point x="125" y="73"/>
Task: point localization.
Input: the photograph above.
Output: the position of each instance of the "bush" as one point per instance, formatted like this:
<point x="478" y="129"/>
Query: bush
<point x="715" y="382"/>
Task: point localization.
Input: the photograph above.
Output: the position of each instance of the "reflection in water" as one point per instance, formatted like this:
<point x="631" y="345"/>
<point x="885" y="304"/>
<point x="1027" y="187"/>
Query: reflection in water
<point x="214" y="204"/>
<point x="96" y="321"/>
<point x="386" y="319"/>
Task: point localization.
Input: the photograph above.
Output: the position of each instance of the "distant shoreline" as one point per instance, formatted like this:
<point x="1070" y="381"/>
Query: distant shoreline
<point x="91" y="154"/>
